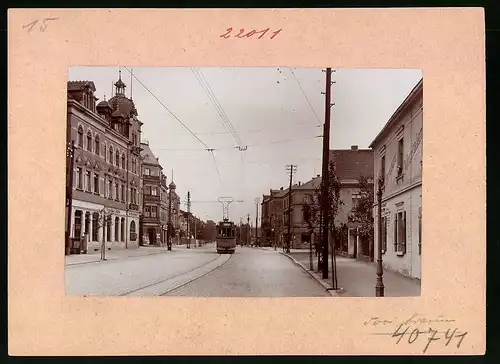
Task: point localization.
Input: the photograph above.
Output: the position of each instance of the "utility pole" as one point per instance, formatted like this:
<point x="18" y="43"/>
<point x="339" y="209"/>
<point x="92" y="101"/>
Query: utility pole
<point x="70" y="153"/>
<point x="324" y="179"/>
<point x="189" y="219"/>
<point x="169" y="221"/>
<point x="248" y="228"/>
<point x="379" y="287"/>
<point x="256" y="220"/>
<point x="292" y="168"/>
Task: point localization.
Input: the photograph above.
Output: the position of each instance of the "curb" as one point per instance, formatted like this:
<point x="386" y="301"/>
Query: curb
<point x="312" y="274"/>
<point x="119" y="258"/>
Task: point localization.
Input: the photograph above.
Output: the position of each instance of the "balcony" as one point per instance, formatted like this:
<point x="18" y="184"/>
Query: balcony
<point x="133" y="206"/>
<point x="152" y="198"/>
<point x="149" y="178"/>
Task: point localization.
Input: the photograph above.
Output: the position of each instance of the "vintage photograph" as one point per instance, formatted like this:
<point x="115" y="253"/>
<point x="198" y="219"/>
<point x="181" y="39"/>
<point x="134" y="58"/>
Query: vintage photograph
<point x="244" y="181"/>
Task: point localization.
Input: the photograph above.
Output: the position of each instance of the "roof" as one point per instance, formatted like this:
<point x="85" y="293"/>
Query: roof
<point x="417" y="90"/>
<point x="80" y="85"/>
<point x="148" y="155"/>
<point x="124" y="104"/>
<point x="352" y="164"/>
<point x="310" y="185"/>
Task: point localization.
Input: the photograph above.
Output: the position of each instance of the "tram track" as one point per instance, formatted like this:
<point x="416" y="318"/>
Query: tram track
<point x="176" y="281"/>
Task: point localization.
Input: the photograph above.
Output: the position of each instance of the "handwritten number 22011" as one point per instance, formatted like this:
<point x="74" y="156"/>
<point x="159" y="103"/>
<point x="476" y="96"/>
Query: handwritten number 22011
<point x="250" y="33"/>
<point x="43" y="26"/>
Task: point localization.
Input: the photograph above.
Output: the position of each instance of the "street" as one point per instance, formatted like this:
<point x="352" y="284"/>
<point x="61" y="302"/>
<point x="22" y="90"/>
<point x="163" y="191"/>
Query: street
<point x="195" y="272"/>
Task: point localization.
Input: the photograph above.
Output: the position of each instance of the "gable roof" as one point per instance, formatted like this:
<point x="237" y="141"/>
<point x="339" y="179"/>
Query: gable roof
<point x="80" y="85"/>
<point x="352" y="164"/>
<point x="417" y="90"/>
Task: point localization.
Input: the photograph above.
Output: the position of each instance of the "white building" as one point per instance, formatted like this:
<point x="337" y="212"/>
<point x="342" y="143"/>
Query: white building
<point x="106" y="172"/>
<point x="398" y="158"/>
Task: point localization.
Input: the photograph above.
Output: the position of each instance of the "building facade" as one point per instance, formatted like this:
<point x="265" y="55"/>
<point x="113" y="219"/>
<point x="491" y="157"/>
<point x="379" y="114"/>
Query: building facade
<point x="106" y="182"/>
<point x="152" y="175"/>
<point x="398" y="159"/>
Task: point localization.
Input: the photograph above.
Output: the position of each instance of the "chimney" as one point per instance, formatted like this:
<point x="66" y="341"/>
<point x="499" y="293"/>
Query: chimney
<point x="299" y="183"/>
<point x="317" y="175"/>
<point x="354" y="147"/>
<point x="281" y="188"/>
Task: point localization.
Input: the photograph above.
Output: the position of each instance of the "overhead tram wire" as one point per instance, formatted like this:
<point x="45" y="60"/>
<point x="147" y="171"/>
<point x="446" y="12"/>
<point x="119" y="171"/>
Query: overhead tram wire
<point x="223" y="113"/>
<point x="218" y="107"/>
<point x="166" y="108"/>
<point x="249" y="145"/>
<point x="305" y="96"/>
<point x="210" y="150"/>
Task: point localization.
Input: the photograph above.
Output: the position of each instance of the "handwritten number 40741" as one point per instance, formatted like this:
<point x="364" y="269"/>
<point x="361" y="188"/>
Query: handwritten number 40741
<point x="243" y="34"/>
<point x="432" y="336"/>
<point x="43" y="25"/>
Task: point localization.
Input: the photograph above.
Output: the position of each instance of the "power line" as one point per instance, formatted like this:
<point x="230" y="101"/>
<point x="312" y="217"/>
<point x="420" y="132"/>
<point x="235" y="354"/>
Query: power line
<point x="305" y="96"/>
<point x="166" y="108"/>
<point x="215" y="102"/>
<point x="216" y="166"/>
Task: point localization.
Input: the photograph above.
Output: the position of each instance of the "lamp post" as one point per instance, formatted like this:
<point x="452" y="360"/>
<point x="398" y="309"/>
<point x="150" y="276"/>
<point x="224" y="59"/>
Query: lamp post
<point x="70" y="153"/>
<point x="379" y="287"/>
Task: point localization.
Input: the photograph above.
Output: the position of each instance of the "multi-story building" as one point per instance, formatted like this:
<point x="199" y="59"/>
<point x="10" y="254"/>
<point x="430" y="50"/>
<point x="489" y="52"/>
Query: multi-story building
<point x="152" y="176"/>
<point x="106" y="180"/>
<point x="350" y="166"/>
<point x="398" y="160"/>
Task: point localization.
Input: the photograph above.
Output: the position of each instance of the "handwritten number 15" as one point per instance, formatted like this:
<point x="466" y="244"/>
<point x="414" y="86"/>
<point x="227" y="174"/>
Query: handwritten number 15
<point x="43" y="26"/>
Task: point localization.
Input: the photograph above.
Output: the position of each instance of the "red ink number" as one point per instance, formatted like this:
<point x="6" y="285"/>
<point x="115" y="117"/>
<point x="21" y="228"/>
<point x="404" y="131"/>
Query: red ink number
<point x="226" y="34"/>
<point x="276" y="33"/>
<point x="251" y="33"/>
<point x="240" y="33"/>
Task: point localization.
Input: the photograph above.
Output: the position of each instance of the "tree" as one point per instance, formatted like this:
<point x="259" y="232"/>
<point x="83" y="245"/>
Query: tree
<point x="103" y="219"/>
<point x="311" y="211"/>
<point x="362" y="212"/>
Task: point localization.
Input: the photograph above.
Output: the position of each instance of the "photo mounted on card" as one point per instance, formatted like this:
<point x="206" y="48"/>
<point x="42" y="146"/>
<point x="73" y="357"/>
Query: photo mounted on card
<point x="237" y="220"/>
<point x="197" y="188"/>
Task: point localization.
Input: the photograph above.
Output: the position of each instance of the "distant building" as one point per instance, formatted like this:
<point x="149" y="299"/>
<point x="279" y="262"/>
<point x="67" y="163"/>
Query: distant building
<point x="350" y="165"/>
<point x="152" y="175"/>
<point x="398" y="159"/>
<point x="106" y="180"/>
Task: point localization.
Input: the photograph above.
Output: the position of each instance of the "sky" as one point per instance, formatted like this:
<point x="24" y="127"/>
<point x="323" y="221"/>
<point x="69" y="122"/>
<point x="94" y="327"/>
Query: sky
<point x="276" y="112"/>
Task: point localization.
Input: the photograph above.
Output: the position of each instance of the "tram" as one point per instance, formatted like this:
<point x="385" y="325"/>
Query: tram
<point x="226" y="237"/>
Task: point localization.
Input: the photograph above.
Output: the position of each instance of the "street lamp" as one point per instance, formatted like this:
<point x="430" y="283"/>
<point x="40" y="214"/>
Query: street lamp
<point x="379" y="287"/>
<point x="70" y="154"/>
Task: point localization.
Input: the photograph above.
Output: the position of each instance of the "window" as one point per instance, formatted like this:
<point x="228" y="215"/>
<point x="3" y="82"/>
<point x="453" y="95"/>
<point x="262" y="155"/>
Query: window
<point x="88" y="181"/>
<point x="123" y="193"/>
<point x="95" y="226"/>
<point x="96" y="183"/>
<point x="147" y="172"/>
<point x="117" y="192"/>
<point x="153" y="211"/>
<point x="400" y="156"/>
<point x="117" y="159"/>
<point x="382" y="167"/>
<point x="108" y="228"/>
<point x="400" y="232"/>
<point x="384" y="234"/>
<point x="355" y="200"/>
<point x="85" y="102"/>
<point x="80" y="136"/>
<point x="78" y="224"/>
<point x="132" y="230"/>
<point x="419" y="231"/>
<point x="79" y="177"/>
<point x="97" y="149"/>
<point x="154" y="191"/>
<point x="134" y="166"/>
<point x="122" y="235"/>
<point x="147" y="211"/>
<point x="110" y="160"/>
<point x="123" y="161"/>
<point x="147" y="190"/>
<point x="110" y="189"/>
<point x="134" y="138"/>
<point x="117" y="227"/>
<point x="132" y="195"/>
<point x="89" y="141"/>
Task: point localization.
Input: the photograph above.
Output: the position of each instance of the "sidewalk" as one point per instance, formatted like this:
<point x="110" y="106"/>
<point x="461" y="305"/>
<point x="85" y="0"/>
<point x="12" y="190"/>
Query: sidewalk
<point x="358" y="278"/>
<point x="94" y="257"/>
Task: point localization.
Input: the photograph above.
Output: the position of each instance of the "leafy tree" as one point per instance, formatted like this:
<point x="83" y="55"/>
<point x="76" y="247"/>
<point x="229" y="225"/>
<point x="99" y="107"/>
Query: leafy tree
<point x="362" y="212"/>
